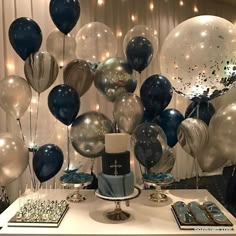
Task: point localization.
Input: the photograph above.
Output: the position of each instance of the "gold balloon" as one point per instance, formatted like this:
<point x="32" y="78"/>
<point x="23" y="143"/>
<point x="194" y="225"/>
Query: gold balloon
<point x="14" y="158"/>
<point x="15" y="95"/>
<point x="193" y="136"/>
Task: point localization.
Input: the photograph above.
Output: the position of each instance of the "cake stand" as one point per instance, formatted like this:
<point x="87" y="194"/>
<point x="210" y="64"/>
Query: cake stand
<point x="158" y="195"/>
<point x="118" y="214"/>
<point x="76" y="196"/>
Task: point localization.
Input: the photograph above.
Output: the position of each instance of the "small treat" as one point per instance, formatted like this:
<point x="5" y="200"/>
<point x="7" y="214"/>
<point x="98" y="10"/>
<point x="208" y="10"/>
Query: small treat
<point x="183" y="213"/>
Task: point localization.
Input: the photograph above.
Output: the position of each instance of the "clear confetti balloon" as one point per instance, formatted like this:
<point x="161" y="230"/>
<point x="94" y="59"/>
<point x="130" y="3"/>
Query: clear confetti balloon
<point x="199" y="57"/>
<point x="95" y="42"/>
<point x="144" y="31"/>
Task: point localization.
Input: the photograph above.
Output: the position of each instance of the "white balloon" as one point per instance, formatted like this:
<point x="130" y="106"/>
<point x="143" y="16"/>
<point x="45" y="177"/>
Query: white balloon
<point x="199" y="57"/>
<point x="95" y="43"/>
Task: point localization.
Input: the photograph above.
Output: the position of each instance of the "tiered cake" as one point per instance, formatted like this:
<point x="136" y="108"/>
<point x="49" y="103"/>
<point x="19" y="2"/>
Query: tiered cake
<point x="116" y="179"/>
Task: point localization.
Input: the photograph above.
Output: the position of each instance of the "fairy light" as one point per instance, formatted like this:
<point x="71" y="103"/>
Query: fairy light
<point x="195" y="8"/>
<point x="181" y="3"/>
<point x="10" y="67"/>
<point x="151" y="6"/>
<point x="133" y="18"/>
<point x="119" y="34"/>
<point x="100" y="2"/>
<point x="107" y="54"/>
<point x="97" y="107"/>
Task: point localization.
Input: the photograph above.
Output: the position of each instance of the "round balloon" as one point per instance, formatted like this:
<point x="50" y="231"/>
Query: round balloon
<point x="193" y="136"/>
<point x="199" y="57"/>
<point x="114" y="77"/>
<point x="14" y="158"/>
<point x="144" y="31"/>
<point x="65" y="14"/>
<point x="78" y="75"/>
<point x="139" y="53"/>
<point x="169" y="120"/>
<point x="41" y="70"/>
<point x="64" y="103"/>
<point x="25" y="36"/>
<point x="88" y="133"/>
<point x="203" y="111"/>
<point x="156" y="93"/>
<point x="15" y="95"/>
<point x="128" y="112"/>
<point x="61" y="46"/>
<point x="95" y="42"/>
<point x="47" y="161"/>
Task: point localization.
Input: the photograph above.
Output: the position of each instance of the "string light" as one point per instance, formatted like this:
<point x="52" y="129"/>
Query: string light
<point x="151" y="6"/>
<point x="181" y="3"/>
<point x="97" y="107"/>
<point x="100" y="2"/>
<point x="119" y="33"/>
<point x="10" y="67"/>
<point x="133" y="18"/>
<point x="195" y="9"/>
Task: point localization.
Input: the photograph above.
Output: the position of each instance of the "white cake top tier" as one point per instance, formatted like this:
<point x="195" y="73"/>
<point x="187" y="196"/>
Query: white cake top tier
<point x="117" y="142"/>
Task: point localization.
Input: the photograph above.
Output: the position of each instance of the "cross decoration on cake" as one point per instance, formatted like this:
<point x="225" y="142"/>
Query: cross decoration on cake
<point x="116" y="166"/>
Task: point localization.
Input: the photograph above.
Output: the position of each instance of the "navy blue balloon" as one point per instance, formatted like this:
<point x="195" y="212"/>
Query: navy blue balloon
<point x="169" y="120"/>
<point x="148" y="153"/>
<point x="47" y="161"/>
<point x="147" y="117"/>
<point x="64" y="103"/>
<point x="156" y="93"/>
<point x="139" y="53"/>
<point x="25" y="36"/>
<point x="65" y="14"/>
<point x="203" y="111"/>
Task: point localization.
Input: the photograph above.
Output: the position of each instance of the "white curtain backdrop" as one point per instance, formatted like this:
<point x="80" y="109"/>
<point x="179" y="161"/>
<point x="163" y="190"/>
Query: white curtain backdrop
<point x="116" y="14"/>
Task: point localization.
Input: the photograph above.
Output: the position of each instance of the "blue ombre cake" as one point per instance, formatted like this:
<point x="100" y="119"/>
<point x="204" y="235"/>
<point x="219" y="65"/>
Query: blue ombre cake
<point x="116" y="179"/>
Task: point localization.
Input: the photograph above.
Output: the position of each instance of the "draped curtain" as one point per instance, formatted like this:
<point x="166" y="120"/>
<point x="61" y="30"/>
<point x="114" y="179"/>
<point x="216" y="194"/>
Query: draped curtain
<point x="117" y="14"/>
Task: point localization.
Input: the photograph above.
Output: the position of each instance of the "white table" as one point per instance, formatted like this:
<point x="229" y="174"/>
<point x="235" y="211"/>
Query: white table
<point x="88" y="217"/>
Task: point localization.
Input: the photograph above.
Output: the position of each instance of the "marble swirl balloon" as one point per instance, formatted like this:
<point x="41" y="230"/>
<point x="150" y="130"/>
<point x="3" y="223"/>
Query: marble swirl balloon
<point x="166" y="163"/>
<point x="193" y="136"/>
<point x="41" y="70"/>
<point x="203" y="62"/>
<point x="88" y="133"/>
<point x="114" y="77"/>
<point x="78" y="75"/>
<point x="14" y="158"/>
<point x="128" y="112"/>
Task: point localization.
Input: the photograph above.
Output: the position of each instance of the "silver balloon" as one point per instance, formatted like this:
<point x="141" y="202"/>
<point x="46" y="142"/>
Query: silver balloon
<point x="78" y="75"/>
<point x="88" y="133"/>
<point x="41" y="70"/>
<point x="15" y="95"/>
<point x="193" y="136"/>
<point x="114" y="77"/>
<point x="128" y="112"/>
<point x="211" y="158"/>
<point x="14" y="158"/>
<point x="166" y="163"/>
<point x="61" y="46"/>
<point x="222" y="129"/>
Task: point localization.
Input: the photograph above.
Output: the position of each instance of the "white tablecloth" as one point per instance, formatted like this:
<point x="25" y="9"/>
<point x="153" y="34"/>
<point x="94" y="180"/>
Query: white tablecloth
<point x="88" y="217"/>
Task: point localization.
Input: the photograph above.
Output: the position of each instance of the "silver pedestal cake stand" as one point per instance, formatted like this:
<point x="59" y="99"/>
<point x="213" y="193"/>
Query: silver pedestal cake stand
<point x="118" y="214"/>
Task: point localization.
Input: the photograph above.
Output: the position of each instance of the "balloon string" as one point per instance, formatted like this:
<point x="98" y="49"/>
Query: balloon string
<point x="92" y="164"/>
<point x="32" y="176"/>
<point x="30" y="123"/>
<point x="63" y="53"/>
<point x="21" y="130"/>
<point x="194" y="109"/>
<point x="36" y="120"/>
<point x="68" y="148"/>
<point x="195" y="159"/>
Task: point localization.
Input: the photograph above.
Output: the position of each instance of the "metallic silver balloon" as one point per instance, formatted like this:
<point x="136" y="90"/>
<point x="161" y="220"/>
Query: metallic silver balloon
<point x="166" y="163"/>
<point x="41" y="70"/>
<point x="88" y="133"/>
<point x="15" y="95"/>
<point x="78" y="75"/>
<point x="193" y="136"/>
<point x="128" y="112"/>
<point x="114" y="77"/>
<point x="222" y="129"/>
<point x="14" y="158"/>
<point x="211" y="158"/>
<point x="61" y="46"/>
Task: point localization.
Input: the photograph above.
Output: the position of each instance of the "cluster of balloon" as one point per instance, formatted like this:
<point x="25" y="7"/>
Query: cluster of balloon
<point x="78" y="75"/>
<point x="128" y="112"/>
<point x="95" y="42"/>
<point x="201" y="110"/>
<point x="88" y="133"/>
<point x="148" y="142"/>
<point x="47" y="161"/>
<point x="14" y="158"/>
<point x="114" y="77"/>
<point x="64" y="103"/>
<point x="206" y="68"/>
